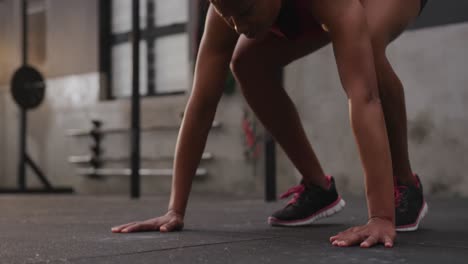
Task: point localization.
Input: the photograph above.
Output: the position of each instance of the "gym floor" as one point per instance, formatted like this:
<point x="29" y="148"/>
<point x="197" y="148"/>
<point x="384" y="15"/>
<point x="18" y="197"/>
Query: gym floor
<point x="76" y="229"/>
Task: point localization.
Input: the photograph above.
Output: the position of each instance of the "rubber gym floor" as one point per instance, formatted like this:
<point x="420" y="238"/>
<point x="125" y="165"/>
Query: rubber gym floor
<point x="76" y="229"/>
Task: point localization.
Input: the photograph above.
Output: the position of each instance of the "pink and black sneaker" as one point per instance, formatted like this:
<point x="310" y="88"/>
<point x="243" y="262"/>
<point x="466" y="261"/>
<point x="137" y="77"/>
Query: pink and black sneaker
<point x="410" y="206"/>
<point x="309" y="204"/>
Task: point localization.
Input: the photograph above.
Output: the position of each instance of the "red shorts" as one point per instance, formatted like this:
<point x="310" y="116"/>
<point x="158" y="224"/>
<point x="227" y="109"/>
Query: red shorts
<point x="293" y="21"/>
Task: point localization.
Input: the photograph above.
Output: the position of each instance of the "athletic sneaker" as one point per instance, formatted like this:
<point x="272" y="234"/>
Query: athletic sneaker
<point x="308" y="204"/>
<point x="410" y="207"/>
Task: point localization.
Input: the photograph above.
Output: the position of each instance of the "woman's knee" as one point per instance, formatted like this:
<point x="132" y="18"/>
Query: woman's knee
<point x="380" y="55"/>
<point x="382" y="65"/>
<point x="380" y="59"/>
<point x="363" y="95"/>
<point x="242" y="64"/>
<point x="388" y="82"/>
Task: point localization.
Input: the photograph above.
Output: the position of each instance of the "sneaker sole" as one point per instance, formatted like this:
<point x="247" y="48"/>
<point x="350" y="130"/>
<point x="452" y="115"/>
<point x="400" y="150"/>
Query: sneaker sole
<point x="330" y="210"/>
<point x="415" y="225"/>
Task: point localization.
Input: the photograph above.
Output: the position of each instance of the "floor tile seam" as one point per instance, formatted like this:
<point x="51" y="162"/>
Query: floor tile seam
<point x="171" y="248"/>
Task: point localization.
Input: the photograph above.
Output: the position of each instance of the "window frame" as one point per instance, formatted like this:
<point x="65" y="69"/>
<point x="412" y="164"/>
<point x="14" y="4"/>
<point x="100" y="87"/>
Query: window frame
<point x="150" y="34"/>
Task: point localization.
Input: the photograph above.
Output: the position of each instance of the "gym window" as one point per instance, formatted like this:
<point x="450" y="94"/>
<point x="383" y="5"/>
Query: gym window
<point x="164" y="47"/>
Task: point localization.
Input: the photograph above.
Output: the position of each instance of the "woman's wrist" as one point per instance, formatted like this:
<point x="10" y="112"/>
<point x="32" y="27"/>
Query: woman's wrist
<point x="381" y="217"/>
<point x="177" y="212"/>
<point x="380" y="198"/>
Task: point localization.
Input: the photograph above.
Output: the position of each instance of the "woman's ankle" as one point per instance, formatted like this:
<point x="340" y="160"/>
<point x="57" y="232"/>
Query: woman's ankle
<point x="407" y="179"/>
<point x="322" y="181"/>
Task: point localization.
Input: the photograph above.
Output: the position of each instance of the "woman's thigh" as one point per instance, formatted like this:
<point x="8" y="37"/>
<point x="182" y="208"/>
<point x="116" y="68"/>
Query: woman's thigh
<point x="387" y="19"/>
<point x="272" y="50"/>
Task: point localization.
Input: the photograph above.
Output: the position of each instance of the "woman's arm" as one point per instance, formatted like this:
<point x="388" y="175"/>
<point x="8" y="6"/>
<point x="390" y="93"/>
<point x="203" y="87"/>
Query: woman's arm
<point x="214" y="56"/>
<point x="212" y="65"/>
<point x="352" y="45"/>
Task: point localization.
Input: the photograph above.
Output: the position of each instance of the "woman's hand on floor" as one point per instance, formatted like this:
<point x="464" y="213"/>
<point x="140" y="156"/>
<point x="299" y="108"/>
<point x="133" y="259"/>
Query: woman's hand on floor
<point x="171" y="221"/>
<point x="376" y="231"/>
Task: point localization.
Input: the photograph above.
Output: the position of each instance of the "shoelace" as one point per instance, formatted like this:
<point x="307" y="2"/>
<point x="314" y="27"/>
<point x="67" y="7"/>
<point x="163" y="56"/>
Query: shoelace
<point x="296" y="190"/>
<point x="399" y="189"/>
<point x="398" y="192"/>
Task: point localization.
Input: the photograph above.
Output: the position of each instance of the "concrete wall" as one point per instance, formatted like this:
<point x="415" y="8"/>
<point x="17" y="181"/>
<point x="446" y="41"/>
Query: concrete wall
<point x="10" y="39"/>
<point x="2" y="137"/>
<point x="78" y="51"/>
<point x="432" y="66"/>
<point x="71" y="38"/>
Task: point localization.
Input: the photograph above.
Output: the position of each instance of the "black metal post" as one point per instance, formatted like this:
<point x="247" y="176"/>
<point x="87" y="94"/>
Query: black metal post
<point x="135" y="123"/>
<point x="150" y="44"/>
<point x="270" y="169"/>
<point x="270" y="160"/>
<point x="22" y="150"/>
<point x="38" y="172"/>
<point x="23" y="113"/>
<point x="105" y="47"/>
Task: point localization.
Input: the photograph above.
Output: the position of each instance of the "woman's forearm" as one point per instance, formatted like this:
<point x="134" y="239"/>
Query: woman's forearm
<point x="189" y="149"/>
<point x="214" y="56"/>
<point x="354" y="55"/>
<point x="369" y="129"/>
<point x="368" y="123"/>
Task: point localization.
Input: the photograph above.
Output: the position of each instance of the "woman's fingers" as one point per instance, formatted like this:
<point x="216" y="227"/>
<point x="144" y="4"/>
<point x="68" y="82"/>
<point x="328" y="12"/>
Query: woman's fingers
<point x="345" y="233"/>
<point x="117" y="229"/>
<point x="340" y="234"/>
<point x="130" y="228"/>
<point x="370" y="241"/>
<point x="365" y="241"/>
<point x="338" y="238"/>
<point x="374" y="232"/>
<point x="166" y="223"/>
<point x="347" y="240"/>
<point x="141" y="226"/>
<point x="152" y="224"/>
<point x="388" y="241"/>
